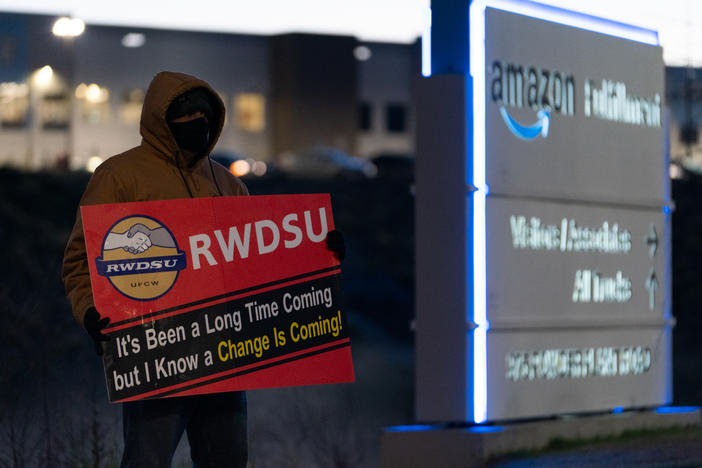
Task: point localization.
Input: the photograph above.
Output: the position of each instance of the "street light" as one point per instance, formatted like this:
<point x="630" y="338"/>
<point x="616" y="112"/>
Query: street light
<point x="68" y="27"/>
<point x="43" y="77"/>
<point x="133" y="40"/>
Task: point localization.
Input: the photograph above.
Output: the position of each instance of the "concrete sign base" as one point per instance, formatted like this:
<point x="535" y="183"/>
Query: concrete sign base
<point x="454" y="446"/>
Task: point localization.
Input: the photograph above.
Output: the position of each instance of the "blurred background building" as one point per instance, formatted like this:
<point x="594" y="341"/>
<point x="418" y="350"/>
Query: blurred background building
<point x="71" y="93"/>
<point x="73" y="98"/>
<point x="684" y="99"/>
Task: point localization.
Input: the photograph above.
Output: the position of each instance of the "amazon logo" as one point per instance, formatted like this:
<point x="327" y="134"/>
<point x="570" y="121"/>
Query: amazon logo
<point x="546" y="92"/>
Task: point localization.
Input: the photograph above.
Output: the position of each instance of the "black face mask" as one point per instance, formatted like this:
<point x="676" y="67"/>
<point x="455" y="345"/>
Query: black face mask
<point x="193" y="135"/>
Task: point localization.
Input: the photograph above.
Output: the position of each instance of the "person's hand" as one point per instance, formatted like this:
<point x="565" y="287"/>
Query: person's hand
<point x="335" y="243"/>
<point x="138" y="228"/>
<point x="137" y="242"/>
<point x="94" y="324"/>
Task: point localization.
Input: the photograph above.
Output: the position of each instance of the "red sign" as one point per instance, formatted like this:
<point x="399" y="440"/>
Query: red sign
<point x="217" y="294"/>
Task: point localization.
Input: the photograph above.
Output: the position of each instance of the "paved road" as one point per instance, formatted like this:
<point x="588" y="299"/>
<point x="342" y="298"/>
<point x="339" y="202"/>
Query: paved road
<point x="677" y="449"/>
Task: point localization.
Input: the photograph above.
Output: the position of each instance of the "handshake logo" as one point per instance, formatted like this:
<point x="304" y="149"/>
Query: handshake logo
<point x="140" y="258"/>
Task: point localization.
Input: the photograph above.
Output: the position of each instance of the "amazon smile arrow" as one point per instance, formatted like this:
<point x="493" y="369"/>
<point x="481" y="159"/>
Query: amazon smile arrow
<point x="527" y="132"/>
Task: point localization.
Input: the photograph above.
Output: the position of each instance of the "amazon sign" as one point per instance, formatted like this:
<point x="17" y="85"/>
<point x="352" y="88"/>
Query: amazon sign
<point x="569" y="113"/>
<point x="545" y="287"/>
<point x="575" y="218"/>
<point x="513" y="85"/>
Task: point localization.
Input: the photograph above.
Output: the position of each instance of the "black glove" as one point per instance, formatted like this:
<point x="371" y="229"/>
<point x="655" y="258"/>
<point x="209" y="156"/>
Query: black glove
<point x="335" y="243"/>
<point x="94" y="325"/>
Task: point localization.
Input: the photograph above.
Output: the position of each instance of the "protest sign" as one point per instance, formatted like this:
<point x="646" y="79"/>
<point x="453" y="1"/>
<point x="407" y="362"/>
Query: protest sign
<point x="217" y="294"/>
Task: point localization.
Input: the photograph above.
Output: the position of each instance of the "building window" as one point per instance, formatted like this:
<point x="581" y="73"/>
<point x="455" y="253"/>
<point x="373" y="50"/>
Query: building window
<point x="365" y="117"/>
<point x="93" y="103"/>
<point x="396" y="118"/>
<point x="14" y="104"/>
<point x="55" y="111"/>
<point x="250" y="110"/>
<point x="130" y="109"/>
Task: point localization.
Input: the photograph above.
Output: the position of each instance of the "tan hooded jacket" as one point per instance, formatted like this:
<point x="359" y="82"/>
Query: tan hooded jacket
<point x="154" y="170"/>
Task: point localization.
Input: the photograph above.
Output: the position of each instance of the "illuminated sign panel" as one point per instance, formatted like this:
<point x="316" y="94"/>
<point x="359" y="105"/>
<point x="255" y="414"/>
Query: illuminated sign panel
<point x="603" y="97"/>
<point x="543" y="220"/>
<point x="567" y="221"/>
<point x="576" y="305"/>
<point x="549" y="260"/>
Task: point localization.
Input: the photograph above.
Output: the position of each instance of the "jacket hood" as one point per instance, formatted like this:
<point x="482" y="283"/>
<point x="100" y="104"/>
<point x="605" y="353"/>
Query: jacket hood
<point x="163" y="89"/>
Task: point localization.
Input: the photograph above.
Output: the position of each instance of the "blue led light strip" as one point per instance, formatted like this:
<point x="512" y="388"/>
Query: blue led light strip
<point x="477" y="71"/>
<point x="426" y="45"/>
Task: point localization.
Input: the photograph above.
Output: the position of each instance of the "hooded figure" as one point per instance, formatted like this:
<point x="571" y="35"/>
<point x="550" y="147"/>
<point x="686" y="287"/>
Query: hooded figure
<point x="191" y="120"/>
<point x="157" y="169"/>
<point x="181" y="120"/>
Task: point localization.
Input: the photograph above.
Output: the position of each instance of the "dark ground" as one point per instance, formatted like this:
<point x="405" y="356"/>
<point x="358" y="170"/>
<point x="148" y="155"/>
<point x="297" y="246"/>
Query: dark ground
<point x="53" y="409"/>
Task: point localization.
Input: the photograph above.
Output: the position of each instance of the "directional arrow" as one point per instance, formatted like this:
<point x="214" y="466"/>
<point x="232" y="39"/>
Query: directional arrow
<point x="651" y="286"/>
<point x="651" y="240"/>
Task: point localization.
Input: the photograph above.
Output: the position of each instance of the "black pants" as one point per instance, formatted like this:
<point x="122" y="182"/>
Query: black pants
<point x="215" y="424"/>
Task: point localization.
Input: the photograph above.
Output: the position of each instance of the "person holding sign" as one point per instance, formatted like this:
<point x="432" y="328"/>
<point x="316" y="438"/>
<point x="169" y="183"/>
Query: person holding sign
<point x="182" y="118"/>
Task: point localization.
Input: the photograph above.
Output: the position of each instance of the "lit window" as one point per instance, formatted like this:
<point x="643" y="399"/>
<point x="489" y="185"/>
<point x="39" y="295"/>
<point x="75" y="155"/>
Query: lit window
<point x="250" y="111"/>
<point x="55" y="111"/>
<point x="365" y="116"/>
<point x="14" y="104"/>
<point x="130" y="109"/>
<point x="396" y="118"/>
<point x="93" y="103"/>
